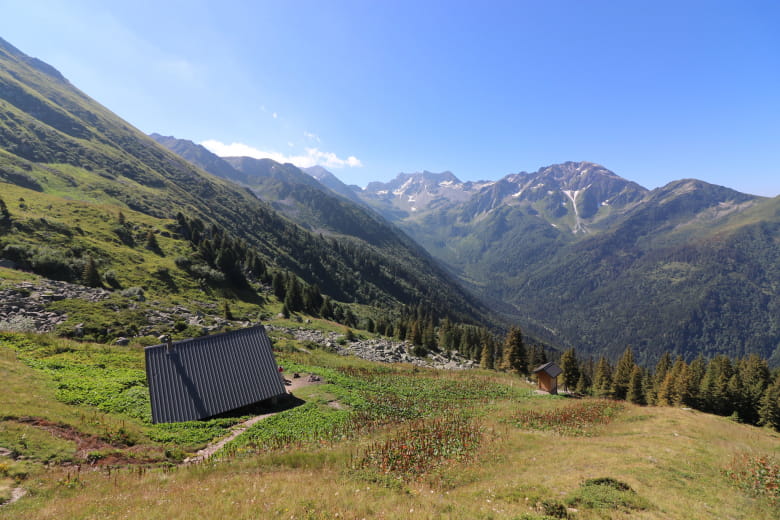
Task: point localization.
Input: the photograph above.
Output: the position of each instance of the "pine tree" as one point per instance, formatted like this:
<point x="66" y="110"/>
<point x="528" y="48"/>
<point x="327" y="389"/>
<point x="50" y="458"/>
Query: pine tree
<point x="326" y="309"/>
<point x="488" y="348"/>
<point x="514" y="352"/>
<point x="769" y="409"/>
<point x="90" y="276"/>
<point x="279" y="285"/>
<point x="415" y="334"/>
<point x="151" y="242"/>
<point x="736" y="397"/>
<point x="583" y="383"/>
<point x="570" y="370"/>
<point x="754" y="375"/>
<point x="635" y="393"/>
<point x="665" y="392"/>
<point x="429" y="336"/>
<point x="602" y="381"/>
<point x="669" y="391"/>
<point x="5" y="216"/>
<point x="312" y="299"/>
<point x="696" y="371"/>
<point x="661" y="368"/>
<point x="294" y="295"/>
<point x="684" y="386"/>
<point x="338" y="313"/>
<point x="446" y="335"/>
<point x="622" y="375"/>
<point x="714" y="386"/>
<point x="536" y="357"/>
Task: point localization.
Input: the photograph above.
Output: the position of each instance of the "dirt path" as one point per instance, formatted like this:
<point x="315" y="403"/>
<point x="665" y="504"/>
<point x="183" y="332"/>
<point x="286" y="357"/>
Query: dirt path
<point x="211" y="449"/>
<point x="16" y="494"/>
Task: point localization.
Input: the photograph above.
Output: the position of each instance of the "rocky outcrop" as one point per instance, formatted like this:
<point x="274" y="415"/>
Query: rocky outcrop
<point x="377" y="349"/>
<point x="23" y="307"/>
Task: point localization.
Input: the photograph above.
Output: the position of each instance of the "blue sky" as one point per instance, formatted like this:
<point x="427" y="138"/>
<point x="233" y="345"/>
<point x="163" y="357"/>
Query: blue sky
<point x="653" y="90"/>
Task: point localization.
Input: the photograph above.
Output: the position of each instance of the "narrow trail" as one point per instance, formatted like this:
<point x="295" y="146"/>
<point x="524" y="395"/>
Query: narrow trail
<point x="211" y="449"/>
<point x="16" y="494"/>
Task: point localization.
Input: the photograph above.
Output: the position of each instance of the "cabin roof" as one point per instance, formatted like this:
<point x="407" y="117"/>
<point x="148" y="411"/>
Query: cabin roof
<point x="551" y="369"/>
<point x="203" y="377"/>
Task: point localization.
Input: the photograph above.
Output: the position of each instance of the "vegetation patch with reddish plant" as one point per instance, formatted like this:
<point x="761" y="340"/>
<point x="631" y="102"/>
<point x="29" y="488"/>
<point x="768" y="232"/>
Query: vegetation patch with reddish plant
<point x="758" y="475"/>
<point x="577" y="419"/>
<point x="423" y="446"/>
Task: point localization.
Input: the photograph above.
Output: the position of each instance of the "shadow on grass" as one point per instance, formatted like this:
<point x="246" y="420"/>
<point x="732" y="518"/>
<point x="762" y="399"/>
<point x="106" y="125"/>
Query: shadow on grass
<point x="264" y="407"/>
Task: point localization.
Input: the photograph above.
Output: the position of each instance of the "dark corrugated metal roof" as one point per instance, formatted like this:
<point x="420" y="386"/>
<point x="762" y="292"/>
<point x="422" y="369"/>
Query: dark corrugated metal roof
<point x="550" y="368"/>
<point x="207" y="376"/>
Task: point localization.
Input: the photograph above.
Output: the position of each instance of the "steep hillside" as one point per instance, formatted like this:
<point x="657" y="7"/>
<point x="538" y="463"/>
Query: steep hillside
<point x="310" y="204"/>
<point x="693" y="269"/>
<point x="55" y="141"/>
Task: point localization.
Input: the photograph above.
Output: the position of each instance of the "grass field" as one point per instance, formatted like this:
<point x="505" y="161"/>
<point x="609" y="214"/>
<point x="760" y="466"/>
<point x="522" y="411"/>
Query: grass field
<point x="373" y="441"/>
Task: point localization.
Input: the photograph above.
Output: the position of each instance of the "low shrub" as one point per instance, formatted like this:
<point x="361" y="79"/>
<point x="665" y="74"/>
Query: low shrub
<point x="758" y="475"/>
<point x="422" y="446"/>
<point x="607" y="493"/>
<point x="576" y="419"/>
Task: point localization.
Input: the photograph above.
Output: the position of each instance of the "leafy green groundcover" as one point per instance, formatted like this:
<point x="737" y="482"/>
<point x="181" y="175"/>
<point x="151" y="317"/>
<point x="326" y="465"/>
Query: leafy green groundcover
<point x="368" y="398"/>
<point x="111" y="380"/>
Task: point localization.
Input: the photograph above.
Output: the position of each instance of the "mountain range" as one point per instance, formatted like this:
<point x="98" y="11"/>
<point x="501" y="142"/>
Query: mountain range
<point x="584" y="258"/>
<point x="591" y="260"/>
<point x="575" y="254"/>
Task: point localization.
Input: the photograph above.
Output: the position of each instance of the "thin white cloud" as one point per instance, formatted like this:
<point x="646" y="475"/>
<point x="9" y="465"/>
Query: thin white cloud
<point x="181" y="69"/>
<point x="312" y="136"/>
<point x="275" y="115"/>
<point x="313" y="156"/>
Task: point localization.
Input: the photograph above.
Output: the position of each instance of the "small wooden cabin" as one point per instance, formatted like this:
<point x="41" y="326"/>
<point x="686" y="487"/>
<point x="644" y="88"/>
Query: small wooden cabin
<point x="547" y="376"/>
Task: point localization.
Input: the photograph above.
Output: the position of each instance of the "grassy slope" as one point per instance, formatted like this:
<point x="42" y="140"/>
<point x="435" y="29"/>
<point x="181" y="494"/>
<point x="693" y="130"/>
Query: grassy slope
<point x="673" y="458"/>
<point x="64" y="226"/>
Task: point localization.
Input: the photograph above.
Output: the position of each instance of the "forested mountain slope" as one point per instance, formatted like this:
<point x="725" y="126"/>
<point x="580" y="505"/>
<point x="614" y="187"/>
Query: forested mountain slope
<point x="594" y="261"/>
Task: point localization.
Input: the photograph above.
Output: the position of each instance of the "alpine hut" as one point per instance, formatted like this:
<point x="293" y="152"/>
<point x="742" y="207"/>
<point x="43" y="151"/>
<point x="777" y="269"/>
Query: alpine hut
<point x="547" y="376"/>
<point x="203" y="377"/>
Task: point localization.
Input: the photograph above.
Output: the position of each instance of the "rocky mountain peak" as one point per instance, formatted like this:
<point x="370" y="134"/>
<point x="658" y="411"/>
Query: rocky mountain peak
<point x="415" y="192"/>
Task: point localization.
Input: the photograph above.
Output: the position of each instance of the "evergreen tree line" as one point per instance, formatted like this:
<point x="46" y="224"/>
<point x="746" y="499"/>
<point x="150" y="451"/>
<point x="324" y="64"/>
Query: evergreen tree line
<point x="225" y="258"/>
<point x="743" y="388"/>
